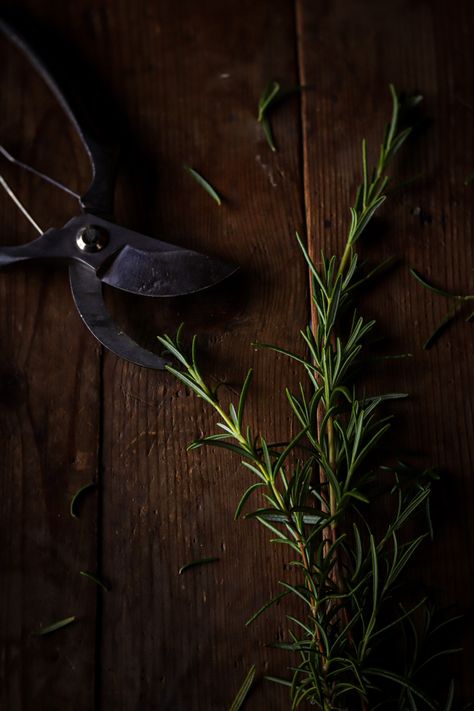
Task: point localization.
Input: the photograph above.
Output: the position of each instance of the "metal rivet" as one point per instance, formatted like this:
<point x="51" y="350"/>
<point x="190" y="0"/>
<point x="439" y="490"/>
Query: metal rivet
<point x="91" y="238"/>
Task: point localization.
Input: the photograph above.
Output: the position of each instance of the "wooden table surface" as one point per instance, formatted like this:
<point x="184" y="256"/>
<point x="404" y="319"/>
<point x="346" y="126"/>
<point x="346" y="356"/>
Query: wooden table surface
<point x="186" y="78"/>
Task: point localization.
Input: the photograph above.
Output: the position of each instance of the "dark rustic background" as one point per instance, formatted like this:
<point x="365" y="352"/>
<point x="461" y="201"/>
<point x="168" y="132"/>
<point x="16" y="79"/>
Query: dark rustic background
<point x="186" y="78"/>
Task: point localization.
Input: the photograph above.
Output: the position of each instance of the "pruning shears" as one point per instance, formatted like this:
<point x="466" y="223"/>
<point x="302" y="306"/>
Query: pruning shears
<point x="96" y="249"/>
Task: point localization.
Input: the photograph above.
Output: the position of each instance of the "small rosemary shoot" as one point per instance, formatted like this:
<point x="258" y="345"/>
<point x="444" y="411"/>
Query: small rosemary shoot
<point x="363" y="639"/>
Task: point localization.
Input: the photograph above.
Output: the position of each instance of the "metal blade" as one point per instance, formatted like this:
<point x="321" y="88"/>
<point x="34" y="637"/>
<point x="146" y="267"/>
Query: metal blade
<point x="87" y="292"/>
<point x="165" y="273"/>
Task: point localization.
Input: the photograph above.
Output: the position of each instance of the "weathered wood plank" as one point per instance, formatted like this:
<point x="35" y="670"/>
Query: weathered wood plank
<point x="191" y="81"/>
<point x="188" y="80"/>
<point x="49" y="419"/>
<point x="349" y="52"/>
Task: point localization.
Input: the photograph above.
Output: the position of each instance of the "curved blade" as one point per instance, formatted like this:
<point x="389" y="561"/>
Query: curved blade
<point x="87" y="292"/>
<point x="164" y="273"/>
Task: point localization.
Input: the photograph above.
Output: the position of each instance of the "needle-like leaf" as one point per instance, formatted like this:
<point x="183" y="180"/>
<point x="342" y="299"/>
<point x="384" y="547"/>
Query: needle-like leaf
<point x="244" y="690"/>
<point x="196" y="563"/>
<point x="94" y="579"/>
<point x="77" y="498"/>
<point x="437" y="290"/>
<point x="55" y="626"/>
<point x="204" y="184"/>
<point x="269" y="94"/>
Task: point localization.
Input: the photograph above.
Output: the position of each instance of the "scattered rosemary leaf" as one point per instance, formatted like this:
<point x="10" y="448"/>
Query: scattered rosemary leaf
<point x="267" y="132"/>
<point x="437" y="290"/>
<point x="94" y="579"/>
<point x="55" y="626"/>
<point x="440" y="328"/>
<point x="277" y="680"/>
<point x="450" y="316"/>
<point x="204" y="184"/>
<point x="76" y="498"/>
<point x="195" y="563"/>
<point x="266" y="100"/>
<point x="385" y="396"/>
<point x="271" y="96"/>
<point x="244" y="690"/>
<point x="270" y="92"/>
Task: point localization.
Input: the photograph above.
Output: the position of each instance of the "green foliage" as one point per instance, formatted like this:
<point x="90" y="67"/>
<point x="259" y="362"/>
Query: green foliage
<point x="55" y="626"/>
<point x="458" y="302"/>
<point x="244" y="690"/>
<point x="360" y="640"/>
<point x="195" y="563"/>
<point x="271" y="97"/>
<point x="200" y="180"/>
<point x="265" y="102"/>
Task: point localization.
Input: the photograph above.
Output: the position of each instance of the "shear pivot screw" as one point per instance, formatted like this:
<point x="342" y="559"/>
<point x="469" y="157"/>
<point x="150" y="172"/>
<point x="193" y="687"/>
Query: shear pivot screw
<point x="91" y="238"/>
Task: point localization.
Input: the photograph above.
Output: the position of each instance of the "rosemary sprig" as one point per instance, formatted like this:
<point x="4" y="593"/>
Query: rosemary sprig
<point x="360" y="639"/>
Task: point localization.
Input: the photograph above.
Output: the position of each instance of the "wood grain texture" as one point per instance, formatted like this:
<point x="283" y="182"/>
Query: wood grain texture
<point x="186" y="79"/>
<point x="350" y="52"/>
<point x="179" y="641"/>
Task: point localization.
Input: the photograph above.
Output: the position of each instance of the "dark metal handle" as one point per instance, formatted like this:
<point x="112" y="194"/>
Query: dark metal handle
<point x="85" y="112"/>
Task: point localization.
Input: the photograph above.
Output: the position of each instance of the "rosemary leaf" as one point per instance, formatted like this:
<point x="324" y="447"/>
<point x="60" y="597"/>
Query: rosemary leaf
<point x="447" y="320"/>
<point x="268" y="133"/>
<point x="196" y="563"/>
<point x="76" y="499"/>
<point x="277" y="680"/>
<point x="95" y="580"/>
<point x="436" y="290"/>
<point x="450" y="316"/>
<point x="55" y="626"/>
<point x="204" y="184"/>
<point x="268" y="96"/>
<point x="271" y="96"/>
<point x="243" y="692"/>
<point x="264" y="607"/>
<point x="245" y="496"/>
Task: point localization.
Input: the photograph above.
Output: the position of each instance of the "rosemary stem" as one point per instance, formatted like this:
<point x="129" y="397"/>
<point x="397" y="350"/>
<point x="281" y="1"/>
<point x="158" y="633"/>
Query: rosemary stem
<point x="332" y="464"/>
<point x="343" y="588"/>
<point x="345" y="258"/>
